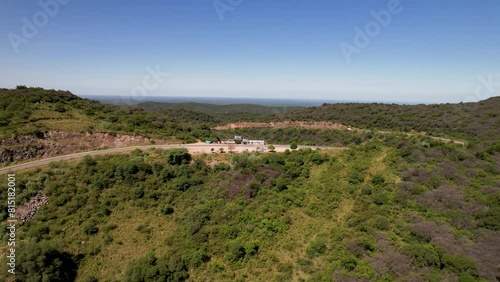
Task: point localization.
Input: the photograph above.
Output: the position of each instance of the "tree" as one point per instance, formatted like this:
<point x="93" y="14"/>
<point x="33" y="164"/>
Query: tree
<point x="59" y="107"/>
<point x="271" y="148"/>
<point x="151" y="269"/>
<point x="459" y="264"/>
<point x="178" y="156"/>
<point x="230" y="148"/>
<point x="44" y="262"/>
<point x="378" y="179"/>
<point x="293" y="145"/>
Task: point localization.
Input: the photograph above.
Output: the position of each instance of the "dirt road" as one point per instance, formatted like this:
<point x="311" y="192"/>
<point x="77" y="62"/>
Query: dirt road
<point x="198" y="148"/>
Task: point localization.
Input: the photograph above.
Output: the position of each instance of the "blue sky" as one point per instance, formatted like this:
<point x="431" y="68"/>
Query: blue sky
<point x="430" y="51"/>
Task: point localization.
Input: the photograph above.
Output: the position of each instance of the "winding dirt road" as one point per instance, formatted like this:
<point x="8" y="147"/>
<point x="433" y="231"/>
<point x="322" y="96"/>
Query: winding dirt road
<point x="198" y="148"/>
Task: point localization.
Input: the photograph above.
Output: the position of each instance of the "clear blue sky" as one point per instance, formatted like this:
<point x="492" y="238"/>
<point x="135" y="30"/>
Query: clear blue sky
<point x="432" y="51"/>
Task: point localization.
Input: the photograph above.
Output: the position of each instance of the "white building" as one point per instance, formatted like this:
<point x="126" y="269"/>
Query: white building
<point x="256" y="142"/>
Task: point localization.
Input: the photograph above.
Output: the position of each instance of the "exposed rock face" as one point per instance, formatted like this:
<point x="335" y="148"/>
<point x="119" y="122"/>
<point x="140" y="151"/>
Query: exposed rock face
<point x="52" y="143"/>
<point x="27" y="211"/>
<point x="283" y="124"/>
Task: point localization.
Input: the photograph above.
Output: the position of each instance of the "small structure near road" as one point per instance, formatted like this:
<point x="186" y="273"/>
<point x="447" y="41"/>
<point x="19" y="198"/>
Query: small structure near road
<point x="240" y="140"/>
<point x="253" y="142"/>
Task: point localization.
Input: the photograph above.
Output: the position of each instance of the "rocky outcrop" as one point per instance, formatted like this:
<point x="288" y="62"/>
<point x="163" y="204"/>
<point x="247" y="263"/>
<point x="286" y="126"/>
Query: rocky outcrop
<point x="27" y="211"/>
<point x="53" y="143"/>
<point x="284" y="124"/>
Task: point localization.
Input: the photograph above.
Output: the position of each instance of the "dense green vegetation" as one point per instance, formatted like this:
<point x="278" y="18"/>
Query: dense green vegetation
<point x="476" y="122"/>
<point x="221" y="113"/>
<point x="33" y="110"/>
<point x="324" y="137"/>
<point x="394" y="207"/>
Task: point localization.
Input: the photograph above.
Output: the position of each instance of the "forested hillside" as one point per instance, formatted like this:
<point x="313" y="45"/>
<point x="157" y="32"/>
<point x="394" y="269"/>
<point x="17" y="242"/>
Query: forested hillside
<point x="221" y="110"/>
<point x="393" y="207"/>
<point x="478" y="122"/>
<point x="33" y="110"/>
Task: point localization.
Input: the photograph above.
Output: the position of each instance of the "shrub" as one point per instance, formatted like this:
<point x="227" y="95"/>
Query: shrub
<point x="151" y="269"/>
<point x="443" y="198"/>
<point x="360" y="246"/>
<point x="178" y="156"/>
<point x="366" y="190"/>
<point x="422" y="255"/>
<point x="110" y="227"/>
<point x="197" y="257"/>
<point x="489" y="219"/>
<point x="138" y="193"/>
<point x="36" y="232"/>
<point x="235" y="252"/>
<point x="382" y="223"/>
<point x="356" y="177"/>
<point x="222" y="167"/>
<point x="99" y="181"/>
<point x="166" y="209"/>
<point x="182" y="183"/>
<point x="459" y="264"/>
<point x="349" y="263"/>
<point x="44" y="262"/>
<point x="380" y="199"/>
<point x="378" y="179"/>
<point x="317" y="247"/>
<point x="59" y="108"/>
<point x="251" y="248"/>
<point x="306" y="265"/>
<point x="89" y="161"/>
<point x="282" y="183"/>
<point x="90" y="228"/>
<point x="112" y="119"/>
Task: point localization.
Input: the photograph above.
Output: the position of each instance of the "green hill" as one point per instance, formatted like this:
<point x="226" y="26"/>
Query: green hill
<point x="216" y="109"/>
<point x="478" y="122"/>
<point x="394" y="207"/>
<point x="220" y="113"/>
<point x="32" y="110"/>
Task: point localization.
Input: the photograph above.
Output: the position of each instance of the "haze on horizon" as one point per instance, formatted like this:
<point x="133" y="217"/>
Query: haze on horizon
<point x="388" y="50"/>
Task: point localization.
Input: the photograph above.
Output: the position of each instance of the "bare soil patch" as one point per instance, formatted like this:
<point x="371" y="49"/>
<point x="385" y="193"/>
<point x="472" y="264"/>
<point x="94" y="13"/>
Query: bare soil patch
<point x="284" y="124"/>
